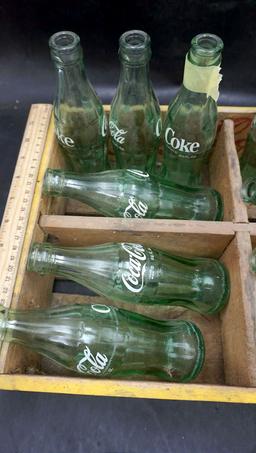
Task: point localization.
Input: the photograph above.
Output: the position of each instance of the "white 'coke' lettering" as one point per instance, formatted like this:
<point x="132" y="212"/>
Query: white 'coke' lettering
<point x="133" y="279"/>
<point x="65" y="140"/>
<point x="139" y="207"/>
<point x="117" y="134"/>
<point x="96" y="364"/>
<point x="180" y="143"/>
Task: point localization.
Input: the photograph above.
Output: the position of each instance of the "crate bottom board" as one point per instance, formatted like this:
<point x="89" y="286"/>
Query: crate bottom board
<point x="129" y="389"/>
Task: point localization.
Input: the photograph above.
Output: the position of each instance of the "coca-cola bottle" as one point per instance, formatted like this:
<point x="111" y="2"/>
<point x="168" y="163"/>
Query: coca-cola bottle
<point x="248" y="166"/>
<point x="191" y="121"/>
<point x="133" y="193"/>
<point x="135" y="123"/>
<point x="78" y="113"/>
<point x="248" y="158"/>
<point x="101" y="341"/>
<point x="137" y="274"/>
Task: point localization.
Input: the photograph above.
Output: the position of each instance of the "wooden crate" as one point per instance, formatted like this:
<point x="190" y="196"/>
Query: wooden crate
<point x="229" y="373"/>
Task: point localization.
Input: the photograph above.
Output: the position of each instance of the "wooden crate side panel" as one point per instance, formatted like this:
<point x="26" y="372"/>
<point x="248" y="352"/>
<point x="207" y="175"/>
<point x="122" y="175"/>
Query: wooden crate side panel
<point x="177" y="236"/>
<point x="238" y="319"/>
<point x="225" y="174"/>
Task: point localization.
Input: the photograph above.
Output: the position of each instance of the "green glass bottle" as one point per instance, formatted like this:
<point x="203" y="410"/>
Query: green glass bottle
<point x="248" y="166"/>
<point x="248" y="190"/>
<point x="253" y="260"/>
<point x="133" y="193"/>
<point x="133" y="273"/>
<point x="248" y="158"/>
<point x="101" y="341"/>
<point x="79" y="117"/>
<point x="191" y="121"/>
<point x="135" y="123"/>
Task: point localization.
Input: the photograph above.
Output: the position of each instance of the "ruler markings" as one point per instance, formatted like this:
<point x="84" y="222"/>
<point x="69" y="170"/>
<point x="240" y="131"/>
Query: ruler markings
<point x="20" y="198"/>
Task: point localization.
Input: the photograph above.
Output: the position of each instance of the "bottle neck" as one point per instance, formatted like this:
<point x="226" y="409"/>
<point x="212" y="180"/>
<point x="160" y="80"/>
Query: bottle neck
<point x="68" y="184"/>
<point x="16" y="325"/>
<point x="204" y="60"/>
<point x="134" y="82"/>
<point x="48" y="259"/>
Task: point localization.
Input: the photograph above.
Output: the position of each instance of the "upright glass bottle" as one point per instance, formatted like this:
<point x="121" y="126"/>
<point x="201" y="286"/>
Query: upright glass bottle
<point x="137" y="274"/>
<point x="248" y="166"/>
<point x="135" y="123"/>
<point x="79" y="117"/>
<point x="191" y="121"/>
<point x="248" y="158"/>
<point x="101" y="341"/>
<point x="133" y="193"/>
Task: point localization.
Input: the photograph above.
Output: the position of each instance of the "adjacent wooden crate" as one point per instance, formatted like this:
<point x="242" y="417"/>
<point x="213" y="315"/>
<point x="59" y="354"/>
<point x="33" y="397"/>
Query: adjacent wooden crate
<point x="229" y="373"/>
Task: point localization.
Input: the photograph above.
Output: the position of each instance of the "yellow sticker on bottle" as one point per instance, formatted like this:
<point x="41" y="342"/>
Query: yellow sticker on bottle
<point x="202" y="79"/>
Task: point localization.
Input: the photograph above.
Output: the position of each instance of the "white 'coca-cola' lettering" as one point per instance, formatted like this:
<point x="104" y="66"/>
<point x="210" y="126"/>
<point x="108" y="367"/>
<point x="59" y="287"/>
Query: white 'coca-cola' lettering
<point x="104" y="126"/>
<point x="140" y="173"/>
<point x="65" y="140"/>
<point x="180" y="143"/>
<point x="158" y="127"/>
<point x="116" y="133"/>
<point x="95" y="364"/>
<point x="133" y="279"/>
<point x="136" y="208"/>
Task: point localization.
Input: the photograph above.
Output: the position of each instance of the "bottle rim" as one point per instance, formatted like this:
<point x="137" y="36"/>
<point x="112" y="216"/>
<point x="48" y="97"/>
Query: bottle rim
<point x="207" y="44"/>
<point x="248" y="190"/>
<point x="64" y="41"/>
<point x="135" y="41"/>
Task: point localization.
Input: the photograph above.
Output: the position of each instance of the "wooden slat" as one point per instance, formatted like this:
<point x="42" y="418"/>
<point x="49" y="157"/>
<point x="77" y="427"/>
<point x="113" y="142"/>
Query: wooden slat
<point x="129" y="389"/>
<point x="225" y="174"/>
<point x="238" y="319"/>
<point x="176" y="236"/>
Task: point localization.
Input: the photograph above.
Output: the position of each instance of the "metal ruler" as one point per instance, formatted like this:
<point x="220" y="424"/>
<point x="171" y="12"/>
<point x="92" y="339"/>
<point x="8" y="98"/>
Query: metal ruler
<point x="20" y="198"/>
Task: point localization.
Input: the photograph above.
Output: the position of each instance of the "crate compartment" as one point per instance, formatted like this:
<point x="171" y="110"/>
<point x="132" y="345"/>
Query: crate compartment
<point x="242" y="118"/>
<point x="229" y="373"/>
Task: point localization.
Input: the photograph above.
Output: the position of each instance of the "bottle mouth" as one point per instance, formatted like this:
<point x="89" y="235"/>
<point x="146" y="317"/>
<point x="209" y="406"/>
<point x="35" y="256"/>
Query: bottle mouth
<point x="53" y="182"/>
<point x="248" y="190"/>
<point x="134" y="45"/>
<point x="64" y="41"/>
<point x="206" y="44"/>
<point x="135" y="40"/>
<point x="65" y="48"/>
<point x="40" y="259"/>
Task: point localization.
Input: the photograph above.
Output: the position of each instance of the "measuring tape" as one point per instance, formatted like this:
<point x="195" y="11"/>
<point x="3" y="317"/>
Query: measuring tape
<point x="20" y="198"/>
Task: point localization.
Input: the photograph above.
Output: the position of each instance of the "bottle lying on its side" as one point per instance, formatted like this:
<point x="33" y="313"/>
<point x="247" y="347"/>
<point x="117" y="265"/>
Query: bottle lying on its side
<point x="101" y="341"/>
<point x="133" y="193"/>
<point x="133" y="273"/>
